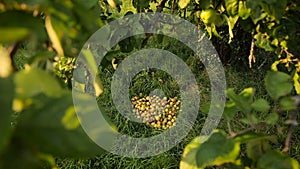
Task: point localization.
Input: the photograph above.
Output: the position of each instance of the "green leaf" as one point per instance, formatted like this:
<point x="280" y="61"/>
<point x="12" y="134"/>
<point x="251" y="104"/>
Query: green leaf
<point x="51" y="126"/>
<point x="277" y="160"/>
<point x="232" y="7"/>
<point x="242" y="101"/>
<point x="183" y="3"/>
<point x="11" y="19"/>
<point x="287" y="103"/>
<point x="189" y="154"/>
<point x="261" y="105"/>
<point x="254" y="137"/>
<point x="32" y="82"/>
<point x="262" y="41"/>
<point x="6" y="99"/>
<point x="231" y="21"/>
<point x="257" y="14"/>
<point x="205" y="107"/>
<point x="256" y="148"/>
<point x="230" y="110"/>
<point x="278" y="84"/>
<point x="272" y="118"/>
<point x="13" y="34"/>
<point x="203" y="4"/>
<point x="217" y="150"/>
<point x="244" y="11"/>
<point x="296" y="82"/>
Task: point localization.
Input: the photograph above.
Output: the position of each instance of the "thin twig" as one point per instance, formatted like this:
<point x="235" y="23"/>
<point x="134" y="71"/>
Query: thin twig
<point x="173" y="6"/>
<point x="258" y="126"/>
<point x="251" y="55"/>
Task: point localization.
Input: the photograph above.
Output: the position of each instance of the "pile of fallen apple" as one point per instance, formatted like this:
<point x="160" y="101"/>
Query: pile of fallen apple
<point x="159" y="113"/>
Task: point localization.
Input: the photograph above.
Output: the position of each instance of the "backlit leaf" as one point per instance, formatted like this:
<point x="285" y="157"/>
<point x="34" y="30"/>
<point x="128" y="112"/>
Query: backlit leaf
<point x="183" y="3"/>
<point x="13" y="34"/>
<point x="51" y="126"/>
<point x="32" y="82"/>
<point x="278" y="84"/>
<point x="232" y="7"/>
<point x="277" y="160"/>
<point x="189" y="154"/>
<point x="217" y="150"/>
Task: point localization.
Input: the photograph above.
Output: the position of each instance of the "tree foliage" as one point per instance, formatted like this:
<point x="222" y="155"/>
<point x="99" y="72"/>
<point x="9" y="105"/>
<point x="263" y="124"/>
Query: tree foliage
<point x="39" y="44"/>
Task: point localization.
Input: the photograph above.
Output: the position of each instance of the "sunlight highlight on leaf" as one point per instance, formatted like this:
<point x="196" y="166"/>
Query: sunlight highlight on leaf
<point x="70" y="120"/>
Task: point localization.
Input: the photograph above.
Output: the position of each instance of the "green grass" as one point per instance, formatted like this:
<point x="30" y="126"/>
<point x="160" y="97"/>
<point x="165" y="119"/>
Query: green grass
<point x="149" y="80"/>
<point x="145" y="82"/>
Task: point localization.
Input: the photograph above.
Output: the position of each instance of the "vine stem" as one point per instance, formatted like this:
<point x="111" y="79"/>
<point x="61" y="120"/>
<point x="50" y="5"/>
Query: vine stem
<point x="257" y="126"/>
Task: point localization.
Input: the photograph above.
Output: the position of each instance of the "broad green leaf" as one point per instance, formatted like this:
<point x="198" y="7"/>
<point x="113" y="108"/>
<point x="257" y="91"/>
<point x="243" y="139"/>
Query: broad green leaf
<point x="205" y="108"/>
<point x="274" y="8"/>
<point x="217" y="150"/>
<point x="87" y="3"/>
<point x="183" y="3"/>
<point x="287" y="103"/>
<point x="278" y="84"/>
<point x="256" y="148"/>
<point x="254" y="137"/>
<point x="296" y="82"/>
<point x="232" y="7"/>
<point x="272" y="118"/>
<point x="6" y="99"/>
<point x="51" y="126"/>
<point x="32" y="82"/>
<point x="261" y="105"/>
<point x="242" y="101"/>
<point x="28" y="23"/>
<point x="19" y="156"/>
<point x="189" y="154"/>
<point x="203" y="4"/>
<point x="244" y="11"/>
<point x="13" y="34"/>
<point x="277" y="160"/>
<point x="230" y="110"/>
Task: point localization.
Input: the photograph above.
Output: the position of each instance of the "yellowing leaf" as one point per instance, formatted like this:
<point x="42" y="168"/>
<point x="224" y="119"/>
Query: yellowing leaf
<point x="183" y="3"/>
<point x="70" y="120"/>
<point x="5" y="62"/>
<point x="217" y="150"/>
<point x="32" y="82"/>
<point x="296" y="82"/>
<point x="13" y="34"/>
<point x="53" y="36"/>
<point x="98" y="86"/>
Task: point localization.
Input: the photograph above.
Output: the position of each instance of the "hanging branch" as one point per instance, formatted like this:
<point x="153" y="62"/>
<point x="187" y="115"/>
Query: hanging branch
<point x="257" y="126"/>
<point x="293" y="123"/>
